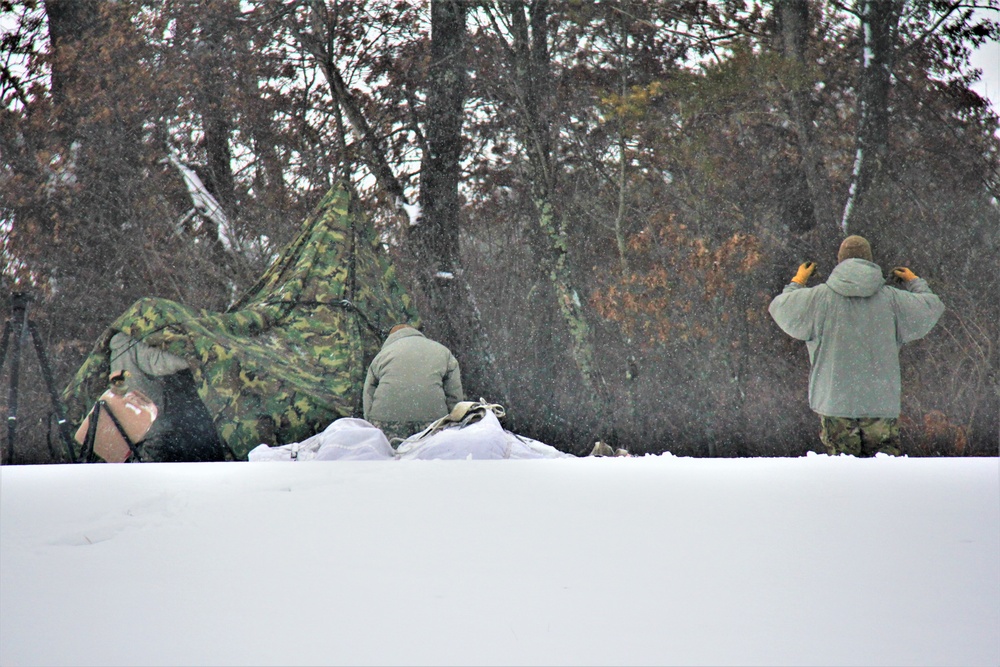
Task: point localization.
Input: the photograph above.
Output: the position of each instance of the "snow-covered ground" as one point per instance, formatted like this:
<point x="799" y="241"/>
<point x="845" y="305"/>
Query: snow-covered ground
<point x="627" y="561"/>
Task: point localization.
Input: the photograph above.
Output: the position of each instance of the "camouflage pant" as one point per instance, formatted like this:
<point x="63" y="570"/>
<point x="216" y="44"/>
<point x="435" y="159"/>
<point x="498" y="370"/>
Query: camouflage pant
<point x="866" y="436"/>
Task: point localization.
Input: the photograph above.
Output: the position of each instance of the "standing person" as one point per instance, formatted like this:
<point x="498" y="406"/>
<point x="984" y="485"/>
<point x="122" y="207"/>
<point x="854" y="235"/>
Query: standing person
<point x="412" y="382"/>
<point x="853" y="326"/>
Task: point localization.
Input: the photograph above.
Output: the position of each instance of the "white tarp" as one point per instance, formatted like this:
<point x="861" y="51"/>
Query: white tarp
<point x="351" y="439"/>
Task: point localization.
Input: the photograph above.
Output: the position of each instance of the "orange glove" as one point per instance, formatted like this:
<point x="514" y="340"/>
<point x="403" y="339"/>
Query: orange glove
<point x="904" y="274"/>
<point x="804" y="273"/>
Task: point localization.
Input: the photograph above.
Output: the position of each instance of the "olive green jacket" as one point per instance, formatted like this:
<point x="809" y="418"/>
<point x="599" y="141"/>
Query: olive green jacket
<point x="853" y="326"/>
<point x="412" y="379"/>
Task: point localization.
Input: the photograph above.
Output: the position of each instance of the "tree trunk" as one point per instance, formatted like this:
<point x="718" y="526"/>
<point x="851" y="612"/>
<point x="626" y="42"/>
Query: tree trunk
<point x="455" y="317"/>
<point x="794" y="21"/>
<point x="212" y="100"/>
<point x="72" y="24"/>
<point x="98" y="122"/>
<point x="879" y="26"/>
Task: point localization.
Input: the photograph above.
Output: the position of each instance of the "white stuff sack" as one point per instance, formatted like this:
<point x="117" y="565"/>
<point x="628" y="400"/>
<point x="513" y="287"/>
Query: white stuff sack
<point x="349" y="439"/>
<point x="345" y="439"/>
<point x="483" y="439"/>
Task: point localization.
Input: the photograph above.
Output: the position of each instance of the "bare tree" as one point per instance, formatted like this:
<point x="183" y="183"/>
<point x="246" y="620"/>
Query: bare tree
<point x="524" y="33"/>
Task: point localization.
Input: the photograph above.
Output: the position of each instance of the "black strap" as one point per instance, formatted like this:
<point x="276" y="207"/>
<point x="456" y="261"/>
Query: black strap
<point x="95" y="415"/>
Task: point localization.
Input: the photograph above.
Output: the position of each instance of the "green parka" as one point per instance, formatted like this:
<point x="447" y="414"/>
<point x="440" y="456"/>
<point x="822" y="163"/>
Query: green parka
<point x="853" y="326"/>
<point x="411" y="379"/>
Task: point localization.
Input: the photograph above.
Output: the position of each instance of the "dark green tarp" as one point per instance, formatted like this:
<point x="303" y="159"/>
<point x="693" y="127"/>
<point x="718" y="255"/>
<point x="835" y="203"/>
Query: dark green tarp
<point x="291" y="355"/>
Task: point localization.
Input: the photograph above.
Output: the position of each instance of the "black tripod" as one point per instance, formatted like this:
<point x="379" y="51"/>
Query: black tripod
<point x="19" y="325"/>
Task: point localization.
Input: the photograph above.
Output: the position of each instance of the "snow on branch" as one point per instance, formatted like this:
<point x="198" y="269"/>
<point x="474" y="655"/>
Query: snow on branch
<point x="204" y="203"/>
<point x="413" y="212"/>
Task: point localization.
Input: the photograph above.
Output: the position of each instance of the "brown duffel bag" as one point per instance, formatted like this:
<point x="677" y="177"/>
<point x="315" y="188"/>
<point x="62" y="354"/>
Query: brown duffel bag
<point x="121" y="413"/>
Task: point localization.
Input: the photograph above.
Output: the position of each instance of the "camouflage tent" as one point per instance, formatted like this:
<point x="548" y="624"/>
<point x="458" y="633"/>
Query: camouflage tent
<point x="291" y="355"/>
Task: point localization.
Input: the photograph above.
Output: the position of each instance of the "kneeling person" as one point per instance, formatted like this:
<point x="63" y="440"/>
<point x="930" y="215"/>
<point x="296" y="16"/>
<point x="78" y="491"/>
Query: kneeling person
<point x="853" y="326"/>
<point x="412" y="382"/>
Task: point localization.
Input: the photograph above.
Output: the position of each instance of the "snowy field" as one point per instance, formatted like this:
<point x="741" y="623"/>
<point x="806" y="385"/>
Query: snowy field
<point x="624" y="561"/>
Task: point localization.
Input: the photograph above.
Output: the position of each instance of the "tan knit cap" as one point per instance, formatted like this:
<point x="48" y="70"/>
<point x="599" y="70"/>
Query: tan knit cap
<point x="855" y="246"/>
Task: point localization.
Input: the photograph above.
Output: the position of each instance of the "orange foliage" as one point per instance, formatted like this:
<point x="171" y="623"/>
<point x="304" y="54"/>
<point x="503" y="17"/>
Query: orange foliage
<point x="679" y="269"/>
<point x="935" y="434"/>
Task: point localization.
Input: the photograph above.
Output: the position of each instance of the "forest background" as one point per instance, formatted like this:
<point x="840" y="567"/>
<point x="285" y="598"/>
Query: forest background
<point x="591" y="202"/>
